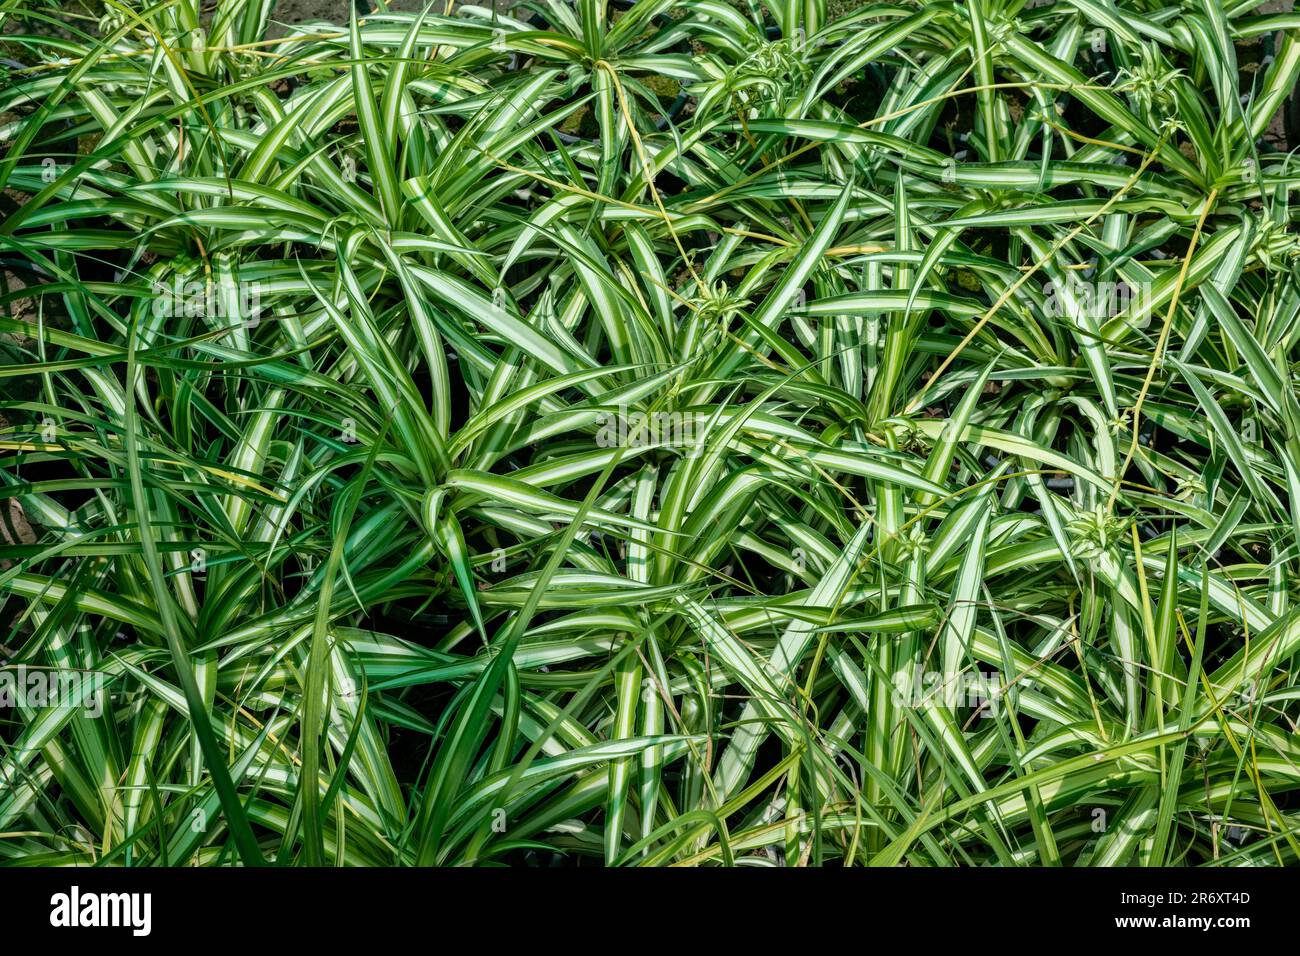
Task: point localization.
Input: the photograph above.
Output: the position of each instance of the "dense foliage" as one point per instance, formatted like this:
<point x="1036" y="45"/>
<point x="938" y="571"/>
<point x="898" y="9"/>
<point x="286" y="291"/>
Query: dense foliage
<point x="672" y="432"/>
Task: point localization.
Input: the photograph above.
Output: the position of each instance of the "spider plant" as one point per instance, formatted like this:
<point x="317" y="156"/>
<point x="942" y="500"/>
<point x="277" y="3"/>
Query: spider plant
<point x="671" y="432"/>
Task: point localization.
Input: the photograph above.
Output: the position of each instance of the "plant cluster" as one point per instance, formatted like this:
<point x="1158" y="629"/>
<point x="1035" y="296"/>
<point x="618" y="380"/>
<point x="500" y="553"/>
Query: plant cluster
<point x="670" y="432"/>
